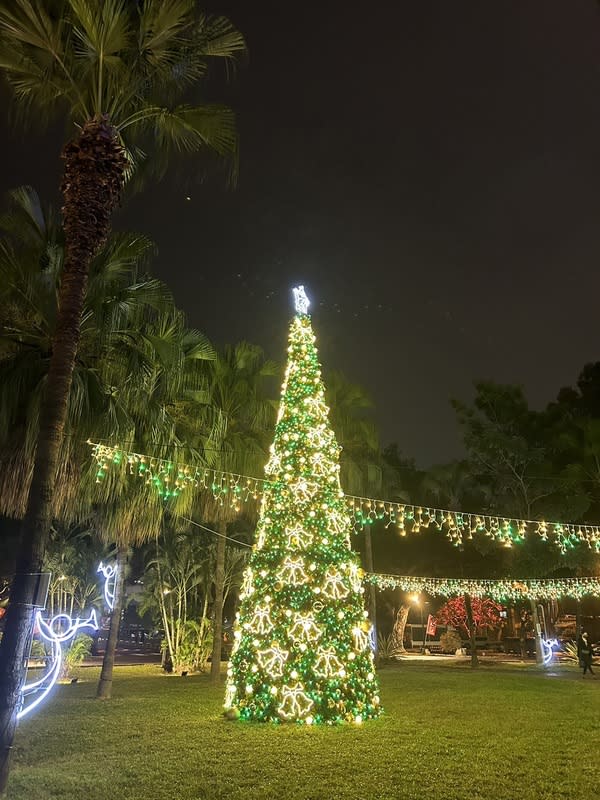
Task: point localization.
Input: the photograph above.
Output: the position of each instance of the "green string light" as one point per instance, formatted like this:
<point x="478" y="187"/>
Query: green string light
<point x="405" y="519"/>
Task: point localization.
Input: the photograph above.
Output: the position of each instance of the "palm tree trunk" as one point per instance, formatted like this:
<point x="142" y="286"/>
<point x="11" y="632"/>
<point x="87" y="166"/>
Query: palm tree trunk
<point x="397" y="643"/>
<point x="215" y="664"/>
<point x="472" y="631"/>
<point x="93" y="178"/>
<point x="104" y="690"/>
<point x="539" y="656"/>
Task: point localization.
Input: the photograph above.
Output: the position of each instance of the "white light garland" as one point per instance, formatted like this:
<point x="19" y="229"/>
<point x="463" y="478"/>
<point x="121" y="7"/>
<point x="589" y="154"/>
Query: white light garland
<point x="261" y="622"/>
<point x="334" y="586"/>
<point x="247" y="587"/>
<point x="298" y="538"/>
<point x="501" y="589"/>
<point x="318" y="407"/>
<point x="304" y="490"/>
<point x="230" y="695"/>
<point x="328" y="664"/>
<point x="361" y="639"/>
<point x="355" y="574"/>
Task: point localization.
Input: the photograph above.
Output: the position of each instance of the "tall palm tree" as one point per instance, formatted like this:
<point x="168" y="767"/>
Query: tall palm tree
<point x="72" y="557"/>
<point x="360" y="470"/>
<point x="450" y="484"/>
<point x="158" y="366"/>
<point x="119" y="72"/>
<point x="241" y="417"/>
<point x="31" y="259"/>
<point x="363" y="470"/>
<point x="136" y="361"/>
<point x="356" y="433"/>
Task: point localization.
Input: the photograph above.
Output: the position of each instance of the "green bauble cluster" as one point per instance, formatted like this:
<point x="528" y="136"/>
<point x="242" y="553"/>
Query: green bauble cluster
<point x="302" y="650"/>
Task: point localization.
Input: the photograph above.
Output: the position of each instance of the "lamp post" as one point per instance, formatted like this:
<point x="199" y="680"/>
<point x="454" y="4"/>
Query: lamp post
<point x="416" y="599"/>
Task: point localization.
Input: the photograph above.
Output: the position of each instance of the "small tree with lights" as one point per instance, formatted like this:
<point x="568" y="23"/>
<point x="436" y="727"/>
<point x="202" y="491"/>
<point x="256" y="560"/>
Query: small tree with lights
<point x="467" y="614"/>
<point x="302" y="650"/>
<point x="454" y="612"/>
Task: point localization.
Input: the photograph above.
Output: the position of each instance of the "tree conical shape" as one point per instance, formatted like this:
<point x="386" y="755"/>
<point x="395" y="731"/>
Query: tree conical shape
<point x="302" y="649"/>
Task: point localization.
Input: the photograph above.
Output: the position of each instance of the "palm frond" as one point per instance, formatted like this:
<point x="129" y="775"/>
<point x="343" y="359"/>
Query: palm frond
<point x="162" y="24"/>
<point x="189" y="129"/>
<point x="216" y="37"/>
<point x="102" y="32"/>
<point x="197" y="346"/>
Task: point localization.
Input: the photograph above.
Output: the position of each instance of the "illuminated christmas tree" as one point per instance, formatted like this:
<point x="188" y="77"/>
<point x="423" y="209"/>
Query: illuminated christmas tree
<point x="302" y="649"/>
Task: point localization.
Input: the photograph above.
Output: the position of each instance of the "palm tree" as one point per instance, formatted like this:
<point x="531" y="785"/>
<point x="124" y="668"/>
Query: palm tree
<point x="158" y="365"/>
<point x="241" y="417"/>
<point x="72" y="557"/>
<point x="363" y="470"/>
<point x="136" y="363"/>
<point x="177" y="585"/>
<point x="31" y="258"/>
<point x="119" y="72"/>
<point x="356" y="434"/>
<point x="450" y="484"/>
<point x="360" y="462"/>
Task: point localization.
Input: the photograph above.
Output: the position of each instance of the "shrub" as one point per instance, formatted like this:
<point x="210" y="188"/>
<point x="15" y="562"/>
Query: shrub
<point x="73" y="657"/>
<point x="570" y="651"/>
<point x="194" y="648"/>
<point x="450" y="642"/>
<point x="38" y="651"/>
<point x="385" y="647"/>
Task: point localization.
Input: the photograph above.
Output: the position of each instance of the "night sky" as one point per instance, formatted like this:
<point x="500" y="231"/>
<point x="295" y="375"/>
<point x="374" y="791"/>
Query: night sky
<point x="429" y="170"/>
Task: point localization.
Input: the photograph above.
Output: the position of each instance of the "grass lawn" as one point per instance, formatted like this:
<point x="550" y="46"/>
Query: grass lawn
<point x="447" y="733"/>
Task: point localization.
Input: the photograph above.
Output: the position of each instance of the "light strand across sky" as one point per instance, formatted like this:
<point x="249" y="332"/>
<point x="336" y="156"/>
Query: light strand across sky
<point x="170" y="478"/>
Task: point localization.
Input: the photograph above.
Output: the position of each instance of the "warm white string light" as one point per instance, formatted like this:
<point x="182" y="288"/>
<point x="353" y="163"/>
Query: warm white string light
<point x="171" y="479"/>
<point x="501" y="590"/>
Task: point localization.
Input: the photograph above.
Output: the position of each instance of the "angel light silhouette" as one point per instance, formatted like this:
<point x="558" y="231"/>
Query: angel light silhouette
<point x="301" y="300"/>
<point x="109" y="571"/>
<point x="60" y="629"/>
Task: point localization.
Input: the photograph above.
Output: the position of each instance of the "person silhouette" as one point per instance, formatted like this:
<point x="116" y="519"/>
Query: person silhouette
<point x="584" y="653"/>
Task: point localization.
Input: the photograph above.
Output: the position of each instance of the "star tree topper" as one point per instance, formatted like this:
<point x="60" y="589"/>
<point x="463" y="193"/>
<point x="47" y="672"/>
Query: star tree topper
<point x="301" y="301"/>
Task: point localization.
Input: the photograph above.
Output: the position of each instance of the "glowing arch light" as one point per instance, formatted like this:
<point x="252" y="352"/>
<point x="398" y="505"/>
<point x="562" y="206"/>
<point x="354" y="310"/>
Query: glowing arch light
<point x="60" y="629"/>
<point x="109" y="571"/>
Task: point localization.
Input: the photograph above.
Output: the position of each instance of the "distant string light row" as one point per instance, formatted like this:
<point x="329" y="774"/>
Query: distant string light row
<point x="170" y="479"/>
<point x="499" y="590"/>
<point x="460" y="525"/>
